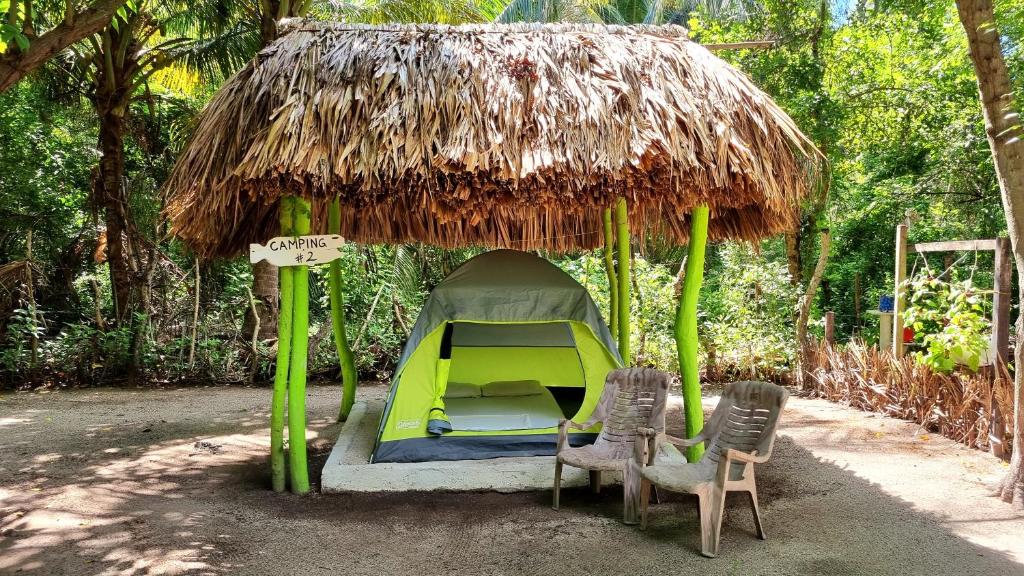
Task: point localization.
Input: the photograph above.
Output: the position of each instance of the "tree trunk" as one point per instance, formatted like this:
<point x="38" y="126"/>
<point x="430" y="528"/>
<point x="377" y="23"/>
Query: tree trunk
<point x="268" y="23"/>
<point x="109" y="194"/>
<point x="195" y="320"/>
<point x="793" y="257"/>
<point x="264" y="291"/>
<point x="686" y="328"/>
<point x="141" y="322"/>
<point x="1002" y="125"/>
<point x="278" y="400"/>
<point x="622" y="245"/>
<point x="808" y="300"/>
<point x="346" y="360"/>
<point x="265" y="283"/>
<point x="30" y="295"/>
<point x="297" y="461"/>
<point x="265" y="274"/>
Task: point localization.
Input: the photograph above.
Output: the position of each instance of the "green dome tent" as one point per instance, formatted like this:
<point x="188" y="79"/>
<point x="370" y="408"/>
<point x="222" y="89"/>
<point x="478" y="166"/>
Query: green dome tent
<point x="504" y="347"/>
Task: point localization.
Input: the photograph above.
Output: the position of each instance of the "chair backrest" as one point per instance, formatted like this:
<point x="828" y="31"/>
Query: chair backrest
<point x="632" y="398"/>
<point x="745" y="419"/>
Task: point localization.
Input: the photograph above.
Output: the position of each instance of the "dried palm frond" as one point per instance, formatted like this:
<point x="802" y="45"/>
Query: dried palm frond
<point x="13" y="278"/>
<point x="492" y="135"/>
<point x="957" y="405"/>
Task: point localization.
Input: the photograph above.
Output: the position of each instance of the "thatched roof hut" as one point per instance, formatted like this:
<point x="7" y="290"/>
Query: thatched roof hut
<point x="496" y="135"/>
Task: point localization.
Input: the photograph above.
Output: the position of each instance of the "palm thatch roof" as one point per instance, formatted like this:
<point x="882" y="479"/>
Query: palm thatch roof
<point x="496" y="135"/>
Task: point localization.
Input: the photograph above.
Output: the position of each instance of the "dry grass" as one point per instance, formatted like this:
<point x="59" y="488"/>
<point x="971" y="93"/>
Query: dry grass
<point x="13" y="276"/>
<point x="957" y="405"/>
<point x="495" y="135"/>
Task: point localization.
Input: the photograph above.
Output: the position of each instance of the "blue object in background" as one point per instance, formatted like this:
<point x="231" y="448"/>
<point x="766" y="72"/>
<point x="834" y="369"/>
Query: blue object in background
<point x="885" y="303"/>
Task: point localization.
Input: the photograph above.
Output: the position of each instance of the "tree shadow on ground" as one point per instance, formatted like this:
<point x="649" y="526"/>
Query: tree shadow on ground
<point x="196" y="501"/>
<point x="129" y="494"/>
<point x="820" y="519"/>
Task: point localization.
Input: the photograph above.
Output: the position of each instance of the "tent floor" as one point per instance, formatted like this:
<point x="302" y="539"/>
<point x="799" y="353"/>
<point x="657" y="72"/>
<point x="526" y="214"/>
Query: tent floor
<point x="348" y="468"/>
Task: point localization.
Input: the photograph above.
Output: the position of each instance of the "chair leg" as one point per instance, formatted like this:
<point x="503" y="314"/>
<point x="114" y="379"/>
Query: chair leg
<point x="558" y="483"/>
<point x="645" y="497"/>
<point x="704" y="508"/>
<point x="757" y="514"/>
<point x="630" y="493"/>
<point x="595" y="481"/>
<point x="712" y="503"/>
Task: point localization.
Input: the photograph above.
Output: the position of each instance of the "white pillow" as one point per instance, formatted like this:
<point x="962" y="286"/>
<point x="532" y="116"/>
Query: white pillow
<point x="461" y="390"/>
<point x="513" y="388"/>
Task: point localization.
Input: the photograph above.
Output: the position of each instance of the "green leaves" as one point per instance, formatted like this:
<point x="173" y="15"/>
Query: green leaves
<point x="950" y="319"/>
<point x="122" y="13"/>
<point x="9" y="33"/>
<point x="747" y="307"/>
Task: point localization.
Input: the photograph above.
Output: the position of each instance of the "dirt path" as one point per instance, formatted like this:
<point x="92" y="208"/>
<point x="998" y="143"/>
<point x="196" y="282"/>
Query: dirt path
<point x="174" y="482"/>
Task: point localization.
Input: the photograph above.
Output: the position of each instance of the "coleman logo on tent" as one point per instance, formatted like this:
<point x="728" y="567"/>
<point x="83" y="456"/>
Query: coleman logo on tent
<point x="298" y="250"/>
<point x="408" y="424"/>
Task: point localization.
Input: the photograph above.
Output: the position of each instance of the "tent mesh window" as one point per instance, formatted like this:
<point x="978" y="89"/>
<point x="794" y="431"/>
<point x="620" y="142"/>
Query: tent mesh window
<point x="545" y="352"/>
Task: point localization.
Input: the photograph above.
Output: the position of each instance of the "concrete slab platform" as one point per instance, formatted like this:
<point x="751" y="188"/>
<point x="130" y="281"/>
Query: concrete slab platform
<point x="348" y="468"/>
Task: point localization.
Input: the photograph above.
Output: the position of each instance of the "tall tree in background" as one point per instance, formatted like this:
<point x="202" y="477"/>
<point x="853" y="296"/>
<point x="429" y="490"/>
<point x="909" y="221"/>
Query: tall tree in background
<point x="815" y="43"/>
<point x="113" y="69"/>
<point x="794" y="72"/>
<point x="813" y="213"/>
<point x="1002" y="125"/>
<point x="28" y="46"/>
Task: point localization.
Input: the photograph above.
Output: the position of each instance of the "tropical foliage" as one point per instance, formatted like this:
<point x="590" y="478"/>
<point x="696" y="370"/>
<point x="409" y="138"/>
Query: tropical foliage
<point x="886" y="90"/>
<point x="949" y="319"/>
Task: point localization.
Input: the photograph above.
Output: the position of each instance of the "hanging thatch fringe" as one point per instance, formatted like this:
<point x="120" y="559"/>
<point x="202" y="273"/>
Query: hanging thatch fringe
<point x="498" y="135"/>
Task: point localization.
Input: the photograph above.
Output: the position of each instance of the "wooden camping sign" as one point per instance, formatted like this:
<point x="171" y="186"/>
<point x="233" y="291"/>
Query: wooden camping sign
<point x="298" y="250"/>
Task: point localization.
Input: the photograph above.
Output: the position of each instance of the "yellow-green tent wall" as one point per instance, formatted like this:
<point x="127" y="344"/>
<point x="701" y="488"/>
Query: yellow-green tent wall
<point x="502" y="316"/>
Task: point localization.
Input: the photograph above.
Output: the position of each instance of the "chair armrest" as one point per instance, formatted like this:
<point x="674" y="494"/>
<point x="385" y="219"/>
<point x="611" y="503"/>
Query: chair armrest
<point x="563" y="432"/>
<point x="685" y="442"/>
<point x="738" y="456"/>
<point x="732" y="456"/>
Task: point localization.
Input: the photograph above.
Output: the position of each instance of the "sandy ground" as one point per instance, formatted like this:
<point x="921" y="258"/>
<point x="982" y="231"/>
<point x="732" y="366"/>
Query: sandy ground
<point x="175" y="482"/>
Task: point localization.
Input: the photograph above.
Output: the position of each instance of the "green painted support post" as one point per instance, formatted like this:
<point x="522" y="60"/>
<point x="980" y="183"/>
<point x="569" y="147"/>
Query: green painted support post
<point x="284" y="339"/>
<point x="686" y="328"/>
<point x="609" y="266"/>
<point x="622" y="228"/>
<point x="349" y="375"/>
<point x="297" y="369"/>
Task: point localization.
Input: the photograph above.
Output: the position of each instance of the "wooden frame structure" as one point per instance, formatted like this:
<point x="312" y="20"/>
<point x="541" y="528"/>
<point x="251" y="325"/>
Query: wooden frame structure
<point x="748" y="179"/>
<point x="999" y="342"/>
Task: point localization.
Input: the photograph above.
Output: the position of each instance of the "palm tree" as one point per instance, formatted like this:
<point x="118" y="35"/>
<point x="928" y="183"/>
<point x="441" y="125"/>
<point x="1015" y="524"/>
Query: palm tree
<point x="113" y="69"/>
<point x="623" y="11"/>
<point x="405" y="11"/>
